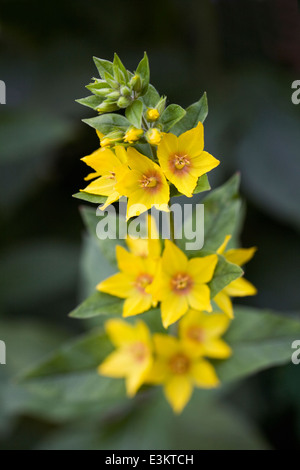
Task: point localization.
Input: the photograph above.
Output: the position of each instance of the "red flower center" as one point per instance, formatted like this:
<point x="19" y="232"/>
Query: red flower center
<point x="181" y="283"/>
<point x="179" y="163"/>
<point x="139" y="351"/>
<point x="179" y="364"/>
<point x="150" y="181"/>
<point x="195" y="333"/>
<point x="142" y="281"/>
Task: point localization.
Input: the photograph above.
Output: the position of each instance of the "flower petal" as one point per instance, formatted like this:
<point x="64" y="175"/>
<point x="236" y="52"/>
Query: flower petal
<point x="173" y="308"/>
<point x="202" y="269"/>
<point x="118" y="364"/>
<point x="103" y="186"/>
<point x="120" y="332"/>
<point x="102" y="160"/>
<point x="136" y="304"/>
<point x="178" y="391"/>
<point x="128" y="262"/>
<point x="214" y="324"/>
<point x="158" y="373"/>
<point x="224" y="303"/>
<point x="173" y="260"/>
<point x="240" y="288"/>
<point x="202" y="164"/>
<point x="137" y="377"/>
<point x="217" y="349"/>
<point x="204" y="374"/>
<point x="240" y="256"/>
<point x="192" y="141"/>
<point x="199" y="298"/>
<point x="165" y="345"/>
<point x="120" y="285"/>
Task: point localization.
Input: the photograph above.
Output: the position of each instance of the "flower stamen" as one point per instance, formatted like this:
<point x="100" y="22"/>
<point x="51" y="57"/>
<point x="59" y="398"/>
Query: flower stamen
<point x="179" y="364"/>
<point x="181" y="283"/>
<point x="143" y="281"/>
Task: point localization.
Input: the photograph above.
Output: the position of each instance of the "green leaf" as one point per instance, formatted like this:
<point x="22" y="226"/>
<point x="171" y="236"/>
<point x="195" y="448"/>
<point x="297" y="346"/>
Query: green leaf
<point x="98" y="304"/>
<point x="194" y="113"/>
<point x="224" y="274"/>
<point x="151" y="97"/>
<point x="134" y="113"/>
<point x="221" y="212"/>
<point x="103" y="66"/>
<point x="79" y="355"/>
<point x="90" y="197"/>
<point x="202" y="185"/>
<point x="108" y="122"/>
<point x="171" y="115"/>
<point x="90" y="101"/>
<point x="259" y="339"/>
<point x="143" y="71"/>
<point x="120" y="72"/>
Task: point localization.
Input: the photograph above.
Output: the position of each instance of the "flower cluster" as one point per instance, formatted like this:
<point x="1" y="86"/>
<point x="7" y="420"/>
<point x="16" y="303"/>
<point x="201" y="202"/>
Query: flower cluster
<point x="148" y="276"/>
<point x="148" y="154"/>
<point x="178" y="363"/>
<point x="124" y="171"/>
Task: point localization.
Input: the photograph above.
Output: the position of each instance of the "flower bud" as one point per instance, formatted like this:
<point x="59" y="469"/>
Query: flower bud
<point x="125" y="91"/>
<point x="123" y="102"/>
<point x="133" y="134"/>
<point x="136" y="83"/>
<point x="152" y="114"/>
<point x="153" y="136"/>
<point x="111" y="138"/>
<point x="114" y="95"/>
<point x="106" y="107"/>
<point x="102" y="91"/>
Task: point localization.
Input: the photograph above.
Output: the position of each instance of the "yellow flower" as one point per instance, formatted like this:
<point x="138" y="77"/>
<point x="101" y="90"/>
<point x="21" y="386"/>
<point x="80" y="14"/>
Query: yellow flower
<point x="133" y="134"/>
<point x="153" y="136"/>
<point x="181" y="283"/>
<point x="133" y="357"/>
<point x="183" y="159"/>
<point x="240" y="287"/>
<point x="179" y="368"/>
<point x="108" y="166"/>
<point x="144" y="185"/>
<point x="145" y="247"/>
<point x="203" y="330"/>
<point x="135" y="275"/>
<point x="152" y="114"/>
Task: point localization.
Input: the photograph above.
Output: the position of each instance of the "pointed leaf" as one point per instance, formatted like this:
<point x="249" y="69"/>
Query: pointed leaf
<point x="194" y="113"/>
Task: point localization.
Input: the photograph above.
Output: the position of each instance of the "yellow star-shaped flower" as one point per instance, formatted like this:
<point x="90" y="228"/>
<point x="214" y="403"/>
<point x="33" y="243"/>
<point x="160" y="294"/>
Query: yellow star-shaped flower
<point x="136" y="274"/>
<point x="203" y="330"/>
<point x="240" y="287"/>
<point x="183" y="159"/>
<point x="109" y="166"/>
<point x="144" y="185"/>
<point x="179" y="368"/>
<point x="182" y="283"/>
<point x="132" y="358"/>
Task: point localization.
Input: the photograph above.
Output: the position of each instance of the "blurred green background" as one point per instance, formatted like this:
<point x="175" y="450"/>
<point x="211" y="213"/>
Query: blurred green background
<point x="245" y="54"/>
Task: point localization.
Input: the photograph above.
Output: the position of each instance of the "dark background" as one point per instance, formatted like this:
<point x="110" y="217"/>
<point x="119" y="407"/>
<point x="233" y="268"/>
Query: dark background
<point x="245" y="54"/>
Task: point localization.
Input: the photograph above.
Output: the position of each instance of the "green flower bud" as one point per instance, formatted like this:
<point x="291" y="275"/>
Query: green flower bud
<point x="107" y="107"/>
<point x="114" y="95"/>
<point x="125" y="91"/>
<point x="101" y="91"/>
<point x="136" y="83"/>
<point x="123" y="102"/>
